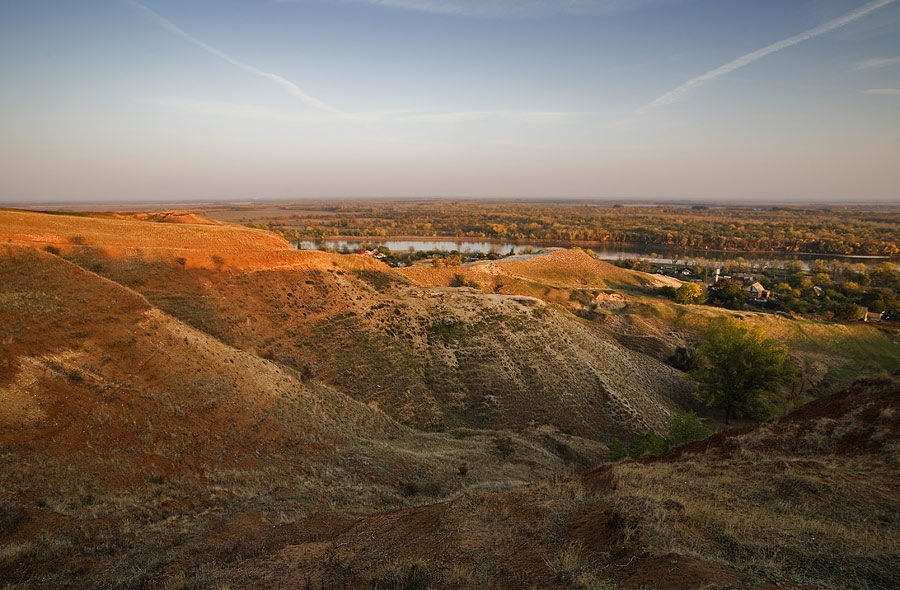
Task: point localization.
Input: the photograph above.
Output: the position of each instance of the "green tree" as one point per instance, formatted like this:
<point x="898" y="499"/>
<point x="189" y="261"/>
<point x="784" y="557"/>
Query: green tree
<point x="689" y="293"/>
<point x="727" y="293"/>
<point x="736" y="364"/>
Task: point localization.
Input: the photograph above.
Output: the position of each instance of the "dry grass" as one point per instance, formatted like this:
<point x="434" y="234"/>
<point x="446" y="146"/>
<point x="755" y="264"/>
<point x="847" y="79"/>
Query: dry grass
<point x="195" y="447"/>
<point x="810" y="512"/>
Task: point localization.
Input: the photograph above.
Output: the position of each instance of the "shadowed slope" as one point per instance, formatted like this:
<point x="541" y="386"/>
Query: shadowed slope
<point x="432" y="358"/>
<point x="791" y="503"/>
<point x="125" y="432"/>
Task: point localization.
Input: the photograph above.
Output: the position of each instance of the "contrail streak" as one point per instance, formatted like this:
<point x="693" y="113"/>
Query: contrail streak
<point x="291" y="88"/>
<point x="681" y="91"/>
<point x="871" y="64"/>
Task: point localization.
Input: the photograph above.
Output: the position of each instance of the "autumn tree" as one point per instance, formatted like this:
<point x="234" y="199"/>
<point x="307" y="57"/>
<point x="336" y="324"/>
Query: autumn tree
<point x="737" y="363"/>
<point x="689" y="293"/>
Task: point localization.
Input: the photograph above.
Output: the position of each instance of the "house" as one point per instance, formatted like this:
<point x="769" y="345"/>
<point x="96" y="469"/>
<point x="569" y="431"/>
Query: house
<point x="871" y="316"/>
<point x="758" y="292"/>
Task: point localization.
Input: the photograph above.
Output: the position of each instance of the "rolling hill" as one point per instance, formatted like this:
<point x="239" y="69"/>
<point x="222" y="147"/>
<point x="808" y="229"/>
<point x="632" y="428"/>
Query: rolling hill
<point x="196" y="405"/>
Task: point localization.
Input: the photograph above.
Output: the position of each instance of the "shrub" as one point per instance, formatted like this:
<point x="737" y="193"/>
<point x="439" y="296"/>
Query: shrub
<point x="617" y="450"/>
<point x="686" y="427"/>
<point x="460" y="280"/>
<point x="647" y="443"/>
<point x="683" y="359"/>
<point x="668" y="292"/>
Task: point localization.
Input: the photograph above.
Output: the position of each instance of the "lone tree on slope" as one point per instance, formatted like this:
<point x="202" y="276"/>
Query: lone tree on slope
<point x="689" y="293"/>
<point x="736" y="364"/>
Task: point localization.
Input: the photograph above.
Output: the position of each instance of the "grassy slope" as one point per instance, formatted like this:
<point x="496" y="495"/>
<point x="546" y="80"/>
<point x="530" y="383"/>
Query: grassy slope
<point x="125" y="434"/>
<point x="551" y="277"/>
<point x="434" y="359"/>
<point x="189" y="245"/>
<point x="811" y="496"/>
<point x="805" y="501"/>
<point x="137" y="448"/>
<point x="831" y="355"/>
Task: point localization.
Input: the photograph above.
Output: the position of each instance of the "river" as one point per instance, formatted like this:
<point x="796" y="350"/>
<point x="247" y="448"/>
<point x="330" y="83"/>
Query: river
<point x="655" y="254"/>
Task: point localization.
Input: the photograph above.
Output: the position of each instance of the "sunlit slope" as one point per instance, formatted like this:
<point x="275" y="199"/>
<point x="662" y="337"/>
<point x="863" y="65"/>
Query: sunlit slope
<point x="432" y="358"/>
<point x="172" y="239"/>
<point x="125" y="433"/>
<point x="92" y="370"/>
<point x="81" y="350"/>
<point x="560" y="270"/>
<point x="829" y="355"/>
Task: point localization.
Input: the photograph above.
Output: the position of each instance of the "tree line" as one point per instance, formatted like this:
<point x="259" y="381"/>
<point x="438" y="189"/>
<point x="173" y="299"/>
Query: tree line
<point x="846" y="231"/>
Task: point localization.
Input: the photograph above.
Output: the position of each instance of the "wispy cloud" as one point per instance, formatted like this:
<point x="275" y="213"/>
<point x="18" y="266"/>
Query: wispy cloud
<point x="678" y="93"/>
<point x="871" y="64"/>
<point x="507" y="114"/>
<point x="505" y="8"/>
<point x="289" y="86"/>
<point x="890" y="91"/>
<point x="262" y="113"/>
<point x="326" y="112"/>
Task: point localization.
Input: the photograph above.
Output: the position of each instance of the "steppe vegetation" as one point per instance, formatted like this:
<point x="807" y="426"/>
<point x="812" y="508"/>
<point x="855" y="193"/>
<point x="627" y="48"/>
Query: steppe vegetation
<point x="186" y="404"/>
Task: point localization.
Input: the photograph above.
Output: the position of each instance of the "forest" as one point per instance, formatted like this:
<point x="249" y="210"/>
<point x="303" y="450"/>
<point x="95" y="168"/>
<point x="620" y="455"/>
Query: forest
<point x="839" y="230"/>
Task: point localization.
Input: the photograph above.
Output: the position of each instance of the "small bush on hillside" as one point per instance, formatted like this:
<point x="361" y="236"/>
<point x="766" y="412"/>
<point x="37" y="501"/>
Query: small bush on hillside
<point x="668" y="292"/>
<point x="617" y="450"/>
<point x="460" y="280"/>
<point x="689" y="293"/>
<point x="52" y="250"/>
<point x="647" y="443"/>
<point x="683" y="359"/>
<point x="686" y="427"/>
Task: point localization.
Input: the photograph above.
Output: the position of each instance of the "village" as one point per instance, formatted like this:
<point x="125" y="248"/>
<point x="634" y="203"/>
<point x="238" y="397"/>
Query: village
<point x="827" y="289"/>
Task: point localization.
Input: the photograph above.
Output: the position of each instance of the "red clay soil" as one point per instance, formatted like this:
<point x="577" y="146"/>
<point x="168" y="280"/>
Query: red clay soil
<point x="870" y="407"/>
<point x="189" y="245"/>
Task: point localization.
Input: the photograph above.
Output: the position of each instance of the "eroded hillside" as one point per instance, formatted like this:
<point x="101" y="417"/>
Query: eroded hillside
<point x="806" y="501"/>
<point x="185" y="404"/>
<point x="124" y="432"/>
<point x="431" y="357"/>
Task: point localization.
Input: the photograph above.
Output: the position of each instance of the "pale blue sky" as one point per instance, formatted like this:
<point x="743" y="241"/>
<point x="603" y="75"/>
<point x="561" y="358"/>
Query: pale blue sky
<point x="650" y="99"/>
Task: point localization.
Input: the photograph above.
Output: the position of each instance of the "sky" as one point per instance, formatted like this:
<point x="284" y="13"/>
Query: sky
<point x="169" y="100"/>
